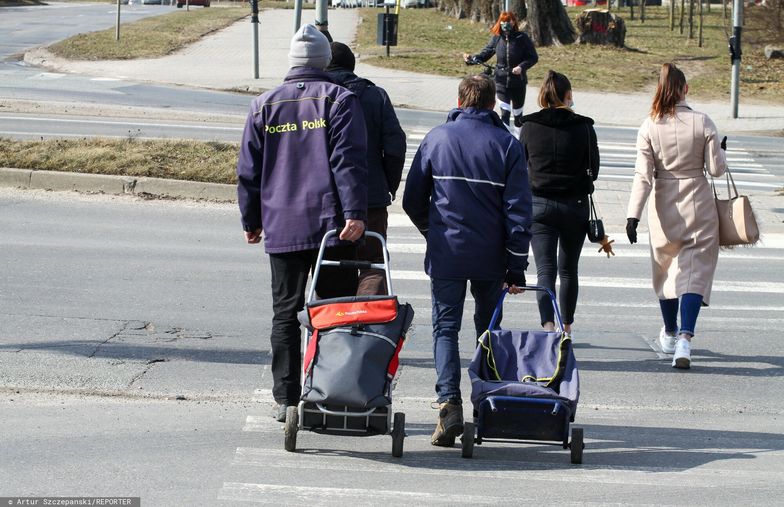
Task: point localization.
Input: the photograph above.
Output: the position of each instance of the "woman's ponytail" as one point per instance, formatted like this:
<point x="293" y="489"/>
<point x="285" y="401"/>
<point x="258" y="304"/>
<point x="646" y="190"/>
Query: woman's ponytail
<point x="669" y="91"/>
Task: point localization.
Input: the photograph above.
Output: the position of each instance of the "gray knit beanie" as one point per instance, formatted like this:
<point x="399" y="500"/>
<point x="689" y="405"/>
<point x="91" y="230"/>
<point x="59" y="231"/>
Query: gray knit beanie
<point x="309" y="48"/>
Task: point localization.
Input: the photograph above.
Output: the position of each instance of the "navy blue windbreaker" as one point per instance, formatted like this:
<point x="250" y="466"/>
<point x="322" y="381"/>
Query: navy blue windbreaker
<point x="467" y="191"/>
<point x="302" y="166"/>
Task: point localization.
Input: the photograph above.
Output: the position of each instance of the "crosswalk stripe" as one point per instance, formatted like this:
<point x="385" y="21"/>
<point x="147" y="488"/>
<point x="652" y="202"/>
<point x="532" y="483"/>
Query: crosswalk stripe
<point x="618" y="158"/>
<point x="495" y="469"/>
<point x="311" y="495"/>
<point x="629" y="283"/>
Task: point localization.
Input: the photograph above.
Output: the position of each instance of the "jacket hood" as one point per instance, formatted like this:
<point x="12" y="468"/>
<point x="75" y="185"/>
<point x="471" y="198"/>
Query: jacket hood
<point x="348" y="79"/>
<point x="484" y="115"/>
<point x="557" y="117"/>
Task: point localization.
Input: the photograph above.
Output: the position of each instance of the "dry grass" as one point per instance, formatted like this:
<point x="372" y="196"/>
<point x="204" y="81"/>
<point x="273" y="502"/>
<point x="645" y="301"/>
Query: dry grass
<point x="185" y="160"/>
<point x="433" y="43"/>
<point x="149" y="37"/>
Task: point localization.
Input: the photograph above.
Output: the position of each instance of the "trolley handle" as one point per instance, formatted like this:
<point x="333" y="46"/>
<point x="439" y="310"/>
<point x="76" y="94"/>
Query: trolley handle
<point x="539" y="288"/>
<point x="347" y="263"/>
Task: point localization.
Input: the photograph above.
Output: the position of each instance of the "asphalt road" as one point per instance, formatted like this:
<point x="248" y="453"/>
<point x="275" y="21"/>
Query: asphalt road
<point x="112" y="307"/>
<point x="134" y="353"/>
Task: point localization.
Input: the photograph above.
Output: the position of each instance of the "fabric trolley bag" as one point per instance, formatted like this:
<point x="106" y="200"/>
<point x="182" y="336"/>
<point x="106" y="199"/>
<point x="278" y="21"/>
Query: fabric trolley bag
<point x="524" y="386"/>
<point x="350" y="360"/>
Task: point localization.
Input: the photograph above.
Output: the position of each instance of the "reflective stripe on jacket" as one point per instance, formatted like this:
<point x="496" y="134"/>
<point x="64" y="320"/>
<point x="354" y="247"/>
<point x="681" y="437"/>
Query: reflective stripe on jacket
<point x="467" y="191"/>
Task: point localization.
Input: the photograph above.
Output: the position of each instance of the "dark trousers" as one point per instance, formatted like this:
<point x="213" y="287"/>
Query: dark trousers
<point x="448" y="299"/>
<point x="373" y="281"/>
<point x="289" y="278"/>
<point x="559" y="227"/>
<point x="513" y="96"/>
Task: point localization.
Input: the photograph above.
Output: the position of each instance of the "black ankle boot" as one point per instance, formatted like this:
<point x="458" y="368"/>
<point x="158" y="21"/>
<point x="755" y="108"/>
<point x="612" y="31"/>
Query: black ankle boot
<point x="506" y="116"/>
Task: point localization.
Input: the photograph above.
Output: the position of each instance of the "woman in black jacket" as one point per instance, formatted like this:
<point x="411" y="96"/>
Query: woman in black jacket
<point x="515" y="54"/>
<point x="563" y="163"/>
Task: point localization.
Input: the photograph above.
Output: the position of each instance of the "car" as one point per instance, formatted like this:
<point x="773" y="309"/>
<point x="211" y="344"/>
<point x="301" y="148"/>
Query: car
<point x="203" y="3"/>
<point x="151" y="2"/>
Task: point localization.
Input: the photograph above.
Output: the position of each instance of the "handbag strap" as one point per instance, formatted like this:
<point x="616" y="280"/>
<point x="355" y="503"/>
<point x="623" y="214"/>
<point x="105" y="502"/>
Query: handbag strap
<point x="732" y="190"/>
<point x="590" y="165"/>
<point x="592" y="214"/>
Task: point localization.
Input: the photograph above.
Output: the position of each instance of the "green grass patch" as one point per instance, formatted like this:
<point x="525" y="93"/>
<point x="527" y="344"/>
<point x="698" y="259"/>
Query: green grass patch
<point x="212" y="162"/>
<point x="431" y="42"/>
<point x="149" y="37"/>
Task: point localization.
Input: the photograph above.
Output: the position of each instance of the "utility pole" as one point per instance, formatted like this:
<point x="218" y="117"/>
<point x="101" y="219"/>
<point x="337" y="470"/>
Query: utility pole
<point x="321" y="18"/>
<point x="117" y="30"/>
<point x="297" y="14"/>
<point x="254" y="19"/>
<point x="735" y="54"/>
<point x="506" y="5"/>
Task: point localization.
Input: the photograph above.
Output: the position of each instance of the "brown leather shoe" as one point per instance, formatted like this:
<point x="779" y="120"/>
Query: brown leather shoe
<point x="449" y="425"/>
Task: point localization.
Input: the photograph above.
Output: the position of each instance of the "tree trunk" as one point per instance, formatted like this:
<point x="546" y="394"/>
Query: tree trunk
<point x="683" y="11"/>
<point x="672" y="15"/>
<point x="548" y="23"/>
<point x="631" y="9"/>
<point x="642" y="11"/>
<point x="691" y="19"/>
<point x="699" y="32"/>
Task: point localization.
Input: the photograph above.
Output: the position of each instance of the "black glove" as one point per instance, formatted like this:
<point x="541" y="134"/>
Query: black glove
<point x="631" y="229"/>
<point x="515" y="278"/>
<point x="724" y="143"/>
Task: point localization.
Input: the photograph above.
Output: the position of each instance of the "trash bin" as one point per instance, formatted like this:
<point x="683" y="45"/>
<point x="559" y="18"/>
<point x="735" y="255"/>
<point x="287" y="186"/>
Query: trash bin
<point x="386" y="33"/>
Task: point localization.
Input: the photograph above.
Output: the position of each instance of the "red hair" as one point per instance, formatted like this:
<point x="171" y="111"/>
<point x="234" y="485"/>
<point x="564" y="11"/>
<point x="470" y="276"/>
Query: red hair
<point x="505" y="16"/>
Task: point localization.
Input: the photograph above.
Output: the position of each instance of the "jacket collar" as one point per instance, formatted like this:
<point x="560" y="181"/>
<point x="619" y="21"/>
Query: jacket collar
<point x="556" y="117"/>
<point x="683" y="103"/>
<point x="472" y="113"/>
<point x="306" y="74"/>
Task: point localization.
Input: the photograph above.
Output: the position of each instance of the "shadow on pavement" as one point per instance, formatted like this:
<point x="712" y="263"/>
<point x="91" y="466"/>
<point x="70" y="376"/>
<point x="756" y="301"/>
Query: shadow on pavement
<point x="645" y="449"/>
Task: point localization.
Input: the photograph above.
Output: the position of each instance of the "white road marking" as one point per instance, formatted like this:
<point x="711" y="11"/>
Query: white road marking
<point x="310" y="495"/>
<point x="630" y="283"/>
<point x="488" y="468"/>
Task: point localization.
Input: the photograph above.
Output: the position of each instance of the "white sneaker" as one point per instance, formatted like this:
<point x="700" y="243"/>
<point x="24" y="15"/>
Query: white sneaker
<point x="667" y="341"/>
<point x="682" y="357"/>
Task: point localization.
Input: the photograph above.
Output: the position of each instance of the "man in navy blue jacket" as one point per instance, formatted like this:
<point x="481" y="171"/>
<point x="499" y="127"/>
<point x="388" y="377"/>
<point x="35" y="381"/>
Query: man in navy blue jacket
<point x="467" y="192"/>
<point x="302" y="171"/>
<point x="386" y="153"/>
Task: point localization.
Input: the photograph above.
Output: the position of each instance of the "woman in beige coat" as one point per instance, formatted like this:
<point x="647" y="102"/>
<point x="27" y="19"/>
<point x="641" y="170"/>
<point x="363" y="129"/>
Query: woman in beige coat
<point x="675" y="146"/>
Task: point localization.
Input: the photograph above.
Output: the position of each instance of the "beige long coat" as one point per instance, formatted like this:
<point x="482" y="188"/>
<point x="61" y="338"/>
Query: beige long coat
<point x="672" y="155"/>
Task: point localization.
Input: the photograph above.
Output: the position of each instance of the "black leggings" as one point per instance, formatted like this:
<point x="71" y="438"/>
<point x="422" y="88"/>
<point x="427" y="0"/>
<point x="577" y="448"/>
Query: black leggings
<point x="513" y="96"/>
<point x="559" y="227"/>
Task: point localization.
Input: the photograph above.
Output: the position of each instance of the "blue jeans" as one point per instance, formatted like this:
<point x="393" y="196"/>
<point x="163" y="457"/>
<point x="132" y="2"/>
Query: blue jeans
<point x="558" y="228"/>
<point x="448" y="298"/>
<point x="690" y="308"/>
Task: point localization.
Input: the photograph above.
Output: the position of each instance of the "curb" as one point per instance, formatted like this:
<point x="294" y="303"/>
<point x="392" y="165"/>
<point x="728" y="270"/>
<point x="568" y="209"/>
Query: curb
<point x="116" y="185"/>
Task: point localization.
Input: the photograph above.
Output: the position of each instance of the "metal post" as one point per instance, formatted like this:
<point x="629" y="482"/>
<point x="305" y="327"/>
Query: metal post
<point x="506" y="5"/>
<point x="117" y="30"/>
<point x="297" y="14"/>
<point x="321" y="16"/>
<point x="735" y="54"/>
<point x="254" y="19"/>
<point x="386" y="27"/>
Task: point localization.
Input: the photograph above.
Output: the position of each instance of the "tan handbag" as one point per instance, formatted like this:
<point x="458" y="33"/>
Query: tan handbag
<point x="737" y="224"/>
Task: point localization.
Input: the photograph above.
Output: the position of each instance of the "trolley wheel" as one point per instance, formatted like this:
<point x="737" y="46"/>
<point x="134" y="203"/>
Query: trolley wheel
<point x="398" y="434"/>
<point x="577" y="445"/>
<point x="467" y="440"/>
<point x="290" y="429"/>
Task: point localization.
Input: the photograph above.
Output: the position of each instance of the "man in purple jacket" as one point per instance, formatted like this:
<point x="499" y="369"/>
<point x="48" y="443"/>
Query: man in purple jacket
<point x="302" y="171"/>
<point x="467" y="192"/>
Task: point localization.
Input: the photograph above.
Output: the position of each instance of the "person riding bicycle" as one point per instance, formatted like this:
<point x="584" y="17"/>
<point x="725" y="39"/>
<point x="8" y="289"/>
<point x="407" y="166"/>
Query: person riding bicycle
<point x="515" y="54"/>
